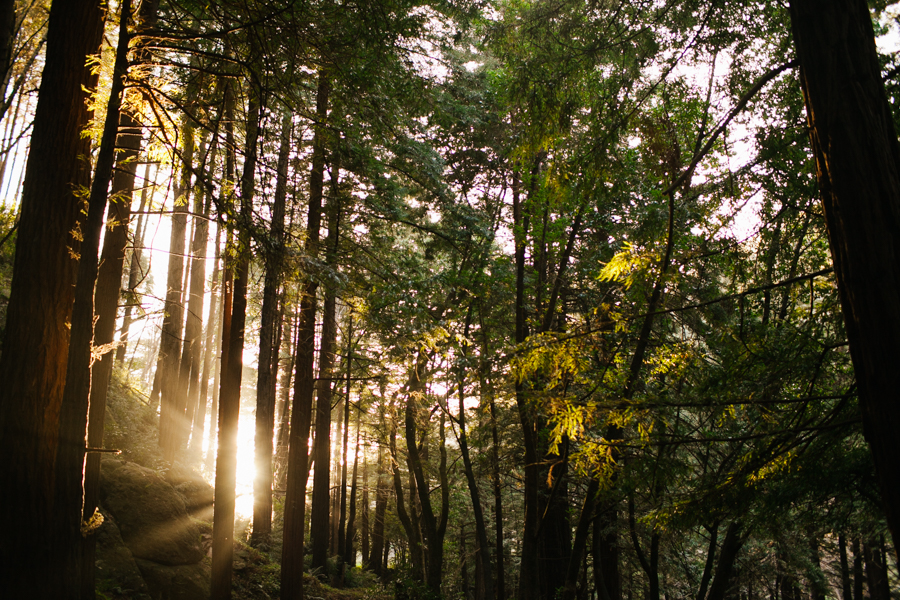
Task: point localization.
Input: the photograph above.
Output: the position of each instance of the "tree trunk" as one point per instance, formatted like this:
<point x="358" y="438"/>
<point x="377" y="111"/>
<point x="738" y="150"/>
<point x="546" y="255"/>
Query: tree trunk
<point x="433" y="526"/>
<point x="373" y="557"/>
<point x="284" y="426"/>
<point x="846" y="585"/>
<point x="319" y="517"/>
<point x="857" y="570"/>
<point x="212" y="337"/>
<point x="364" y="528"/>
<point x="580" y="543"/>
<point x="134" y="267"/>
<point x="193" y="331"/>
<point x="301" y="413"/>
<point x="34" y="551"/>
<point x="70" y="508"/>
<point x="486" y="583"/>
<point x="230" y="394"/>
<point x="606" y="553"/>
<point x="106" y="303"/>
<point x="349" y="550"/>
<point x="173" y="320"/>
<point x="342" y="490"/>
<point x="731" y="545"/>
<point x="268" y="352"/>
<point x="858" y="167"/>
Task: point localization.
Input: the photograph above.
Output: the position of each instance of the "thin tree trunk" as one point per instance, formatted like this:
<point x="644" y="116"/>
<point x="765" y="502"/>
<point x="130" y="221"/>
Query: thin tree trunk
<point x="189" y="369"/>
<point x="173" y="320"/>
<point x="106" y="303"/>
<point x="581" y="536"/>
<point x="268" y="352"/>
<point x="731" y="545"/>
<point x="134" y="271"/>
<point x="70" y="509"/>
<point x="349" y="550"/>
<point x="322" y="446"/>
<point x="342" y="519"/>
<point x="230" y="395"/>
<point x="212" y="336"/>
<point x="846" y="585"/>
<point x="857" y="569"/>
<point x="606" y="553"/>
<point x="284" y="426"/>
<point x="191" y="352"/>
<point x="301" y="413"/>
<point x="373" y="557"/>
<point x="486" y="582"/>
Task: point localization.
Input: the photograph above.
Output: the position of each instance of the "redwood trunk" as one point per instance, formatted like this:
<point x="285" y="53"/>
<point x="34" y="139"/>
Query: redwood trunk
<point x="36" y="339"/>
<point x="858" y="168"/>
<point x="295" y="500"/>
<point x="268" y="353"/>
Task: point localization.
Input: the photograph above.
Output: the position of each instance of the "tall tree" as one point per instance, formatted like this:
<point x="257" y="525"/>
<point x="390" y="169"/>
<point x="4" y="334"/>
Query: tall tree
<point x="36" y="339"/>
<point x="233" y="365"/>
<point x="268" y="349"/>
<point x="857" y="156"/>
<point x="304" y="382"/>
<point x="319" y="514"/>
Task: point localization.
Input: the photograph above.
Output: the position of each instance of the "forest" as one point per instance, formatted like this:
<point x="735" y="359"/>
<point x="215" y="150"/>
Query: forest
<point x="451" y="299"/>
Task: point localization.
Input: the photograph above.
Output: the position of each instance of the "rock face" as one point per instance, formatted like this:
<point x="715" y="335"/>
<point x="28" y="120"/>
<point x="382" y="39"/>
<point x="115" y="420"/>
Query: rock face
<point x="148" y="546"/>
<point x="150" y="513"/>
<point x="181" y="582"/>
<point x="115" y="564"/>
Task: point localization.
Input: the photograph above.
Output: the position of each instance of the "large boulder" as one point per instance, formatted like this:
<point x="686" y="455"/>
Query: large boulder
<point x="115" y="566"/>
<point x="180" y="582"/>
<point x="150" y="513"/>
<point x="197" y="492"/>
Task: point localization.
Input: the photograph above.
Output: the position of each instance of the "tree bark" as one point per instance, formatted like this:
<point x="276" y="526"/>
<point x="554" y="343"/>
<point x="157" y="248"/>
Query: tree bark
<point x="301" y="413"/>
<point x="373" y="560"/>
<point x="846" y="585"/>
<point x="268" y="351"/>
<point x="134" y="267"/>
<point x="212" y="337"/>
<point x="106" y="300"/>
<point x="606" y="553"/>
<point x="34" y="552"/>
<point x="173" y="320"/>
<point x="319" y="517"/>
<point x="230" y="394"/>
<point x="71" y="510"/>
<point x="731" y="545"/>
<point x="858" y="167"/>
<point x="486" y="582"/>
<point x="349" y="550"/>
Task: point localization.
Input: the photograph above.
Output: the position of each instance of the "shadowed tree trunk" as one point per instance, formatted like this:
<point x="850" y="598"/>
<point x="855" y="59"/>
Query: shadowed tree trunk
<point x="189" y="373"/>
<point x="134" y="267"/>
<point x="212" y="337"/>
<point x="485" y="581"/>
<point x="349" y="550"/>
<point x="106" y="300"/>
<point x="301" y="413"/>
<point x="858" y="168"/>
<point x="381" y="493"/>
<point x="268" y="351"/>
<point x="606" y="553"/>
<point x="36" y="338"/>
<point x="319" y="517"/>
<point x="173" y="319"/>
<point x="230" y="395"/>
<point x="71" y="510"/>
